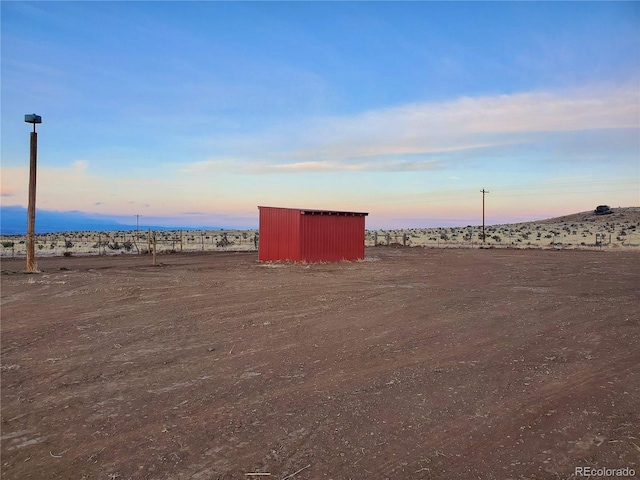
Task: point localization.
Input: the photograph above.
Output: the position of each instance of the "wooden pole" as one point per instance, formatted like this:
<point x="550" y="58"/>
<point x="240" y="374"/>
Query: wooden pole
<point x="149" y="242"/>
<point x="155" y="249"/>
<point x="31" y="211"/>
<point x="180" y="241"/>
<point x="483" y="194"/>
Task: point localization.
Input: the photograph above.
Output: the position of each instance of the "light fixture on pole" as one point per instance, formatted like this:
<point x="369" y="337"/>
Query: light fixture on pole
<point x="31" y="210"/>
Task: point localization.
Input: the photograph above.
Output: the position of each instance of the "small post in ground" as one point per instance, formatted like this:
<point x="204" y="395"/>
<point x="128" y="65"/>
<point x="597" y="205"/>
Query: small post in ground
<point x="155" y="247"/>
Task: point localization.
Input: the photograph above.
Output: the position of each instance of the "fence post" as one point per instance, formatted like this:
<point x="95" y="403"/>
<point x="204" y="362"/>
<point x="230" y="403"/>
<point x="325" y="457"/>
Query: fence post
<point x="180" y="241"/>
<point x="155" y="249"/>
<point x="149" y="241"/>
<point x="135" y="239"/>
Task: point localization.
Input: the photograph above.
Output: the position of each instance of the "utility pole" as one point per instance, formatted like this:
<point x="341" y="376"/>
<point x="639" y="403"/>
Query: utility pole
<point x="483" y="193"/>
<point x="137" y="231"/>
<point x="31" y="210"/>
<point x="137" y="226"/>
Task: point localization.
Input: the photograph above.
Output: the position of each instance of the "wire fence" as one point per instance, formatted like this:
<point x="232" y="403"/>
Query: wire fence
<point x="540" y="236"/>
<point x="127" y="242"/>
<point x="530" y="236"/>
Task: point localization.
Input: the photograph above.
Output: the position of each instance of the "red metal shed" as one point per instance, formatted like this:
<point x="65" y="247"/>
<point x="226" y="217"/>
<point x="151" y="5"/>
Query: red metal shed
<point x="310" y="235"/>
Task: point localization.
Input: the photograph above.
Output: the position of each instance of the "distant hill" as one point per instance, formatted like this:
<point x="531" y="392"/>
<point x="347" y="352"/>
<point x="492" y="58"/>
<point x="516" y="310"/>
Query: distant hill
<point x="620" y="214"/>
<point x="13" y="221"/>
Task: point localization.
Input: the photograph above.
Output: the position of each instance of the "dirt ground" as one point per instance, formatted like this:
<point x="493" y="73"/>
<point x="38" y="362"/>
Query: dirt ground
<point x="413" y="364"/>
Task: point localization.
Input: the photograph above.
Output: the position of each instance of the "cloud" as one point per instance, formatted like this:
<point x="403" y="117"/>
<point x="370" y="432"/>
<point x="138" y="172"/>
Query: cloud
<point x="225" y="164"/>
<point x="80" y="166"/>
<point x="75" y="187"/>
<point x="370" y="165"/>
<point x="424" y="136"/>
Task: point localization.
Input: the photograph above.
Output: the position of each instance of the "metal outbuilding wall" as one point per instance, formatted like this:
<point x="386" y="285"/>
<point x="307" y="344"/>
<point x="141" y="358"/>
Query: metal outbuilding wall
<point x="310" y="235"/>
<point x="279" y="234"/>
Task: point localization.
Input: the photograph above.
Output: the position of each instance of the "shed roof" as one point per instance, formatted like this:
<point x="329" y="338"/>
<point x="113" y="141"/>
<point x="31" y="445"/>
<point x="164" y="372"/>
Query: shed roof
<point x="308" y="211"/>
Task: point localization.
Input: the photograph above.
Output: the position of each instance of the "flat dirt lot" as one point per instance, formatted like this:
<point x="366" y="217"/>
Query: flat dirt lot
<point x="414" y="364"/>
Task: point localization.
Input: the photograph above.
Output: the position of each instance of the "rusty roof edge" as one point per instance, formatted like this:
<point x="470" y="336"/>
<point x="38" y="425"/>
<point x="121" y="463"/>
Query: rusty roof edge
<point x="304" y="211"/>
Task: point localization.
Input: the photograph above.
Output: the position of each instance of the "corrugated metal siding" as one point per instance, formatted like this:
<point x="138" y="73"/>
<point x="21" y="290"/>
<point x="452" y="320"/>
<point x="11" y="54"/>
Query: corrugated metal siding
<point x="331" y="238"/>
<point x="310" y="235"/>
<point x="279" y="234"/>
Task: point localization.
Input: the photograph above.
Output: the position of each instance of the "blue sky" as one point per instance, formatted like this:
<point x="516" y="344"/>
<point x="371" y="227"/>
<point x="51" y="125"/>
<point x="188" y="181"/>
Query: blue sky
<point x="194" y="113"/>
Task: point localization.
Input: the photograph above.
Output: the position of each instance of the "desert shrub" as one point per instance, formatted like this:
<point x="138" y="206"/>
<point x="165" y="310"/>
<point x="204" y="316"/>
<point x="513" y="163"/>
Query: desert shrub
<point x="127" y="246"/>
<point x="68" y="244"/>
<point x="497" y="238"/>
<point x="114" y="246"/>
<point x="8" y="244"/>
<point x="444" y="236"/>
<point x="40" y="246"/>
<point x="67" y="254"/>
<point x="224" y="241"/>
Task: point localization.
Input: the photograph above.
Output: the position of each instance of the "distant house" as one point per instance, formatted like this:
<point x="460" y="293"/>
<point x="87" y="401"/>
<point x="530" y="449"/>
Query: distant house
<point x="303" y="235"/>
<point x="603" y="210"/>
